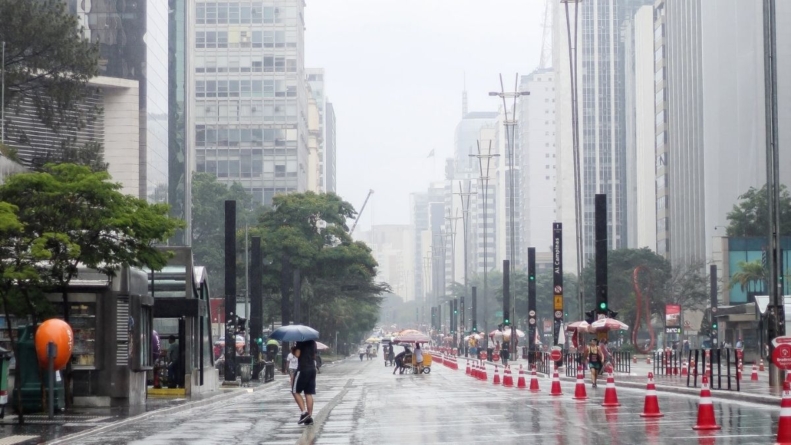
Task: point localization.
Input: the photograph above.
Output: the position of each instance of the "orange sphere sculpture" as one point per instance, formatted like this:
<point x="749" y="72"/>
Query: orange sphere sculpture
<point x="58" y="332"/>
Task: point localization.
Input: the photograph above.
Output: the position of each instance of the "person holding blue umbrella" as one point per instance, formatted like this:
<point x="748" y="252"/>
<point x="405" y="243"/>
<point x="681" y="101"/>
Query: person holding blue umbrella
<point x="305" y="378"/>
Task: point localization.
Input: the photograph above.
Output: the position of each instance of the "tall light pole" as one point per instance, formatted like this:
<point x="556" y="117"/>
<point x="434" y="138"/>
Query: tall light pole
<point x="773" y="180"/>
<point x="465" y="212"/>
<point x="484" y="178"/>
<point x="510" y="129"/>
<point x="451" y="233"/>
<point x="575" y="140"/>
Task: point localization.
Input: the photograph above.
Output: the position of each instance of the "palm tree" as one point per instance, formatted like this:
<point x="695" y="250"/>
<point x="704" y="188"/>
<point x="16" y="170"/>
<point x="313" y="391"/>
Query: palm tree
<point x="749" y="272"/>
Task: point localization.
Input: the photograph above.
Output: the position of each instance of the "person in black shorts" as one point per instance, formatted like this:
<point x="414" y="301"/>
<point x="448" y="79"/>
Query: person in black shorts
<point x="305" y="380"/>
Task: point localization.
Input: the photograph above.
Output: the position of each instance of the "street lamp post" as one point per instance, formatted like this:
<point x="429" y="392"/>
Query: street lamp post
<point x="451" y="220"/>
<point x="484" y="178"/>
<point x="465" y="212"/>
<point x="510" y="130"/>
<point x="576" y="150"/>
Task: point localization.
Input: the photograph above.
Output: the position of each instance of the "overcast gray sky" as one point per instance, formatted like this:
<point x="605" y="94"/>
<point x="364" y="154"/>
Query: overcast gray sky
<point x="394" y="72"/>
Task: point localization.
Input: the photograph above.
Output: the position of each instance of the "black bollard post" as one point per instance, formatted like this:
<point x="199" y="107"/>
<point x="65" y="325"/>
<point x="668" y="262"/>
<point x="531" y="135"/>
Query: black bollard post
<point x="52" y="351"/>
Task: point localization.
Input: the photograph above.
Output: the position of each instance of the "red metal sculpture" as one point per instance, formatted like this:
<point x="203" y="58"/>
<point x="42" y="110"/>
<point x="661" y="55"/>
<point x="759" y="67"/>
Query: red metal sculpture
<point x="643" y="304"/>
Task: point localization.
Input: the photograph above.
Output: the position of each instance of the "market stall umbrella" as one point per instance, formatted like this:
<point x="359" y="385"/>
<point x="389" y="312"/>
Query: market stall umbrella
<point x="412" y="337"/>
<point x="373" y="340"/>
<point x="607" y="324"/>
<point x="496" y="335"/>
<point x="578" y="326"/>
<point x="475" y="336"/>
<point x="294" y="332"/>
<point x="321" y="346"/>
<point x="519" y="333"/>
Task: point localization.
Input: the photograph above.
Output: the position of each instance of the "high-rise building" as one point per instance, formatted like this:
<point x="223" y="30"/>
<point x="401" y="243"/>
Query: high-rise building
<point x="391" y="245"/>
<point x="250" y="101"/>
<point x="133" y="44"/>
<point x="714" y="132"/>
<point x="641" y="121"/>
<point x="602" y="114"/>
<point x="315" y="77"/>
<point x="428" y="218"/>
<point x="536" y="145"/>
<point x="331" y="150"/>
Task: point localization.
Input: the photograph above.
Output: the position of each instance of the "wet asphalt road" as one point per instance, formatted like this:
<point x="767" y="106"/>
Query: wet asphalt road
<point x="363" y="403"/>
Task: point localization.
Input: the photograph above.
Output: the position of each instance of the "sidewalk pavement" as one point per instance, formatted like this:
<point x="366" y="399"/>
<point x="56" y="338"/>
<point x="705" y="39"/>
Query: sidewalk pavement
<point x="38" y="428"/>
<point x="749" y="391"/>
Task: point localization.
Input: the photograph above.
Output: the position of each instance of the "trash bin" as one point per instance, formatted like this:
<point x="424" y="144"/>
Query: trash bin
<point x="5" y="361"/>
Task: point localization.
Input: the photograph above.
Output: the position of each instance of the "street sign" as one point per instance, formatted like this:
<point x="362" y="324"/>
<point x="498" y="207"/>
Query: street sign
<point x="558" y="314"/>
<point x="532" y="313"/>
<point x="558" y="306"/>
<point x="781" y="356"/>
<point x="532" y="321"/>
<point x="555" y="355"/>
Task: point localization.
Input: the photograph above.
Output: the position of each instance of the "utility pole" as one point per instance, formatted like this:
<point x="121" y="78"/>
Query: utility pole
<point x="773" y="181"/>
<point x="465" y="212"/>
<point x="484" y="178"/>
<point x="451" y="233"/>
<point x="510" y="133"/>
<point x="578" y="215"/>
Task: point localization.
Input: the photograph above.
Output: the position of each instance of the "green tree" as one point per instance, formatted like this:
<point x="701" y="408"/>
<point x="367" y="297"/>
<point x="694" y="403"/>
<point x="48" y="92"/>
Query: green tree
<point x="749" y="272"/>
<point x="86" y="219"/>
<point x="307" y="231"/>
<point x="749" y="216"/>
<point x="48" y="65"/>
<point x="208" y="223"/>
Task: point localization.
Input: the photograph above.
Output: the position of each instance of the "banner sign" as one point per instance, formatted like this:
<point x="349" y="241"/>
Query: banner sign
<point x="672" y="319"/>
<point x="557" y="277"/>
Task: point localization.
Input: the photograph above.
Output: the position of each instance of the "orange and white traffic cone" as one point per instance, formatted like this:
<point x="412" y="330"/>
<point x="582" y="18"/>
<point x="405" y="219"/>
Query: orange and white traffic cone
<point x="706" y="420"/>
<point x="754" y="374"/>
<point x="579" y="390"/>
<point x="634" y="359"/>
<point x="784" y="422"/>
<point x="476" y="370"/>
<point x="496" y="380"/>
<point x="468" y="367"/>
<point x="508" y="379"/>
<point x="761" y="367"/>
<point x="521" y="384"/>
<point x="610" y="395"/>
<point x="651" y="406"/>
<point x="684" y="371"/>
<point x="534" y="380"/>
<point x="484" y="377"/>
<point x="556" y="391"/>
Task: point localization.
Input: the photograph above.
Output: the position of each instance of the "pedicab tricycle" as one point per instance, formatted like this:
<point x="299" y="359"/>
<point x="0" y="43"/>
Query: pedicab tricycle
<point x="410" y="363"/>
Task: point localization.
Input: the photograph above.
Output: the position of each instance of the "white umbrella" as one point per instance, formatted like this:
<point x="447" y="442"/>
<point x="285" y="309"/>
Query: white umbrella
<point x="562" y="337"/>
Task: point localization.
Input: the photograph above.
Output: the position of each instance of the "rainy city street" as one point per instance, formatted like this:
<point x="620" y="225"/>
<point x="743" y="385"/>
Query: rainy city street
<point x="363" y="402"/>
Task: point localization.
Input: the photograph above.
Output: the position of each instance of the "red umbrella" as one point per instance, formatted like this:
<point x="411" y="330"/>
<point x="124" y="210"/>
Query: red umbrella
<point x="411" y="337"/>
<point x="607" y="324"/>
<point x="578" y="326"/>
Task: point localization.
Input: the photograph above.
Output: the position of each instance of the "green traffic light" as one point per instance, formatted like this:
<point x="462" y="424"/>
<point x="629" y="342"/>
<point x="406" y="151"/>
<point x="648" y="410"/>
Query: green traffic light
<point x="532" y="277"/>
<point x="602" y="305"/>
<point x="714" y="326"/>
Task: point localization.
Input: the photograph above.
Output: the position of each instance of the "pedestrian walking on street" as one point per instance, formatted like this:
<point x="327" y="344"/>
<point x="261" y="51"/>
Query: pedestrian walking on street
<point x="595" y="359"/>
<point x="292" y="364"/>
<point x="173" y="358"/>
<point x="305" y="380"/>
<point x="419" y="358"/>
<point x="361" y="351"/>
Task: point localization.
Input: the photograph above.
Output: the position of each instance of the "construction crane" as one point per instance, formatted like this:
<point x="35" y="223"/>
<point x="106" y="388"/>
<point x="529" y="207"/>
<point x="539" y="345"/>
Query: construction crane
<point x="370" y="192"/>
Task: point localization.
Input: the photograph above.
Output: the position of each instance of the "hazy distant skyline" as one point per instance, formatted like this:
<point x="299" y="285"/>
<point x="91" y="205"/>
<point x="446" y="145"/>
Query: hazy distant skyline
<point x="394" y="73"/>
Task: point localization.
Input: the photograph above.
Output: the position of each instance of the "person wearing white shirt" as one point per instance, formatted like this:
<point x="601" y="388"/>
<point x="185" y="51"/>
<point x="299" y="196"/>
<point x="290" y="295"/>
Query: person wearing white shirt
<point x="292" y="364"/>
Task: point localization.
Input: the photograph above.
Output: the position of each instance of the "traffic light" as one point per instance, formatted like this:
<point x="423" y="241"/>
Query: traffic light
<point x="603" y="306"/>
<point x="506" y="322"/>
<point x="531" y="277"/>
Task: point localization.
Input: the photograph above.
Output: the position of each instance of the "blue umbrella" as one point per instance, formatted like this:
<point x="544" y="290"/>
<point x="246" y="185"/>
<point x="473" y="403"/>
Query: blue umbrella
<point x="294" y="332"/>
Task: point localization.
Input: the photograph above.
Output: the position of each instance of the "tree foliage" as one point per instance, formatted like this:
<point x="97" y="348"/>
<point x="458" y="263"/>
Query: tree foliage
<point x="208" y="223"/>
<point x="750" y="216"/>
<point x="48" y="63"/>
<point x="749" y="272"/>
<point x="77" y="216"/>
<point x="685" y="284"/>
<point x="307" y="231"/>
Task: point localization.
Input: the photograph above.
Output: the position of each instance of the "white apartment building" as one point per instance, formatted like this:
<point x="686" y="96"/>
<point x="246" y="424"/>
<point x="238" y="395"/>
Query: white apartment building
<point x="250" y="107"/>
<point x="538" y="156"/>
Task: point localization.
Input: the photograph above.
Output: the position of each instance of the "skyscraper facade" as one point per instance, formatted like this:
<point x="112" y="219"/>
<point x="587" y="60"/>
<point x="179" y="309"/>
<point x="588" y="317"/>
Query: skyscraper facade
<point x="133" y="44"/>
<point x="250" y="101"/>
<point x="315" y="77"/>
<point x="603" y="116"/>
<point x="331" y="150"/>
